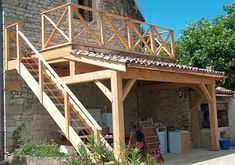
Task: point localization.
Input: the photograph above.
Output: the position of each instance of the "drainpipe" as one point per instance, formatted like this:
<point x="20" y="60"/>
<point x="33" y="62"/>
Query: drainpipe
<point x="1" y="89"/>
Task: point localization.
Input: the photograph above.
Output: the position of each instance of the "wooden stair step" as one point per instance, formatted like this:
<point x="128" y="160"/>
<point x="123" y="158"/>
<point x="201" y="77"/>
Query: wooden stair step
<point x="151" y="137"/>
<point x="151" y="143"/>
<point x="80" y="128"/>
<point x="56" y="97"/>
<point x="84" y="136"/>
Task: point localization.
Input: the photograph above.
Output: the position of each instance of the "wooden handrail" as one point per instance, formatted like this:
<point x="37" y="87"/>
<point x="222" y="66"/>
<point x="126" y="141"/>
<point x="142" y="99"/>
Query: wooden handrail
<point x="152" y="41"/>
<point x="74" y="99"/>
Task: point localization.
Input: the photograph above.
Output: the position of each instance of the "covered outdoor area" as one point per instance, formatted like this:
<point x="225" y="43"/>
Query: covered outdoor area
<point x="143" y="73"/>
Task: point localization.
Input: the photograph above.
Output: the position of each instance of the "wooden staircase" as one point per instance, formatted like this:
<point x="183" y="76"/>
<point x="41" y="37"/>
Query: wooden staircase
<point x="70" y="115"/>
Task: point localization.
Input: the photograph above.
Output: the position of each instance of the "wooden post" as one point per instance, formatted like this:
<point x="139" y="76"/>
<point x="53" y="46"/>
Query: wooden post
<point x="96" y="135"/>
<point x="196" y="130"/>
<point x="66" y="113"/>
<point x="102" y="29"/>
<point x="172" y="45"/>
<point x="7" y="48"/>
<point x="129" y="35"/>
<point x="41" y="80"/>
<point x="43" y="31"/>
<point x="18" y="47"/>
<point x="213" y="119"/>
<point x="70" y="19"/>
<point x="152" y="39"/>
<point x="117" y="112"/>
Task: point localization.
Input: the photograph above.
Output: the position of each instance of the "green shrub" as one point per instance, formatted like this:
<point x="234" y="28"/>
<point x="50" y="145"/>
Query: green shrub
<point x="40" y="150"/>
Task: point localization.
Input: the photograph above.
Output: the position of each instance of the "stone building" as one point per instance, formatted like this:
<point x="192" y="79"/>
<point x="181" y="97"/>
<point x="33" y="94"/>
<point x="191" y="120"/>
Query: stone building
<point x="166" y="101"/>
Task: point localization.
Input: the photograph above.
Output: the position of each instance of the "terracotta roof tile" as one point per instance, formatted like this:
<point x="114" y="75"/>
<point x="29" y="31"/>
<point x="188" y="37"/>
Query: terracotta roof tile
<point x="148" y="62"/>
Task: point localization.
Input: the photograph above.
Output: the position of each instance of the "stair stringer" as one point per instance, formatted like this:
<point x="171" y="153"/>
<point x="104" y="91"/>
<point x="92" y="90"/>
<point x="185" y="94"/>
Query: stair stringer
<point x="50" y="107"/>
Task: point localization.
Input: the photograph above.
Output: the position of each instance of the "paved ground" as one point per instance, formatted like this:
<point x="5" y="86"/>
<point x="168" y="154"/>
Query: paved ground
<point x="201" y="157"/>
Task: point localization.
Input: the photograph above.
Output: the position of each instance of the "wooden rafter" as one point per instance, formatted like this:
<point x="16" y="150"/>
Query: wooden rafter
<point x="104" y="89"/>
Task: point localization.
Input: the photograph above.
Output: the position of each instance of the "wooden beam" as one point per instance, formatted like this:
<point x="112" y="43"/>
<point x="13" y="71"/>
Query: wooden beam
<point x="206" y="92"/>
<point x="72" y="68"/>
<point x="66" y="113"/>
<point x="98" y="62"/>
<point x="7" y="47"/>
<point x="70" y="19"/>
<point x="164" y="76"/>
<point x="18" y="47"/>
<point x="196" y="130"/>
<point x="127" y="88"/>
<point x="87" y="77"/>
<point x="117" y="113"/>
<point x="213" y="119"/>
<point x="104" y="89"/>
<point x="41" y="80"/>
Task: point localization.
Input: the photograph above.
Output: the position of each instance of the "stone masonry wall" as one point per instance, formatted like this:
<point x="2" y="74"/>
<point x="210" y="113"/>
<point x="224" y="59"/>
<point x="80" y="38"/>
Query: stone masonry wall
<point x="22" y="106"/>
<point x="165" y="108"/>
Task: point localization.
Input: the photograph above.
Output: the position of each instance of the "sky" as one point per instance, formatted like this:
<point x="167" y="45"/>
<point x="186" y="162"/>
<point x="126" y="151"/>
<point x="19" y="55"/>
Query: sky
<point x="175" y="14"/>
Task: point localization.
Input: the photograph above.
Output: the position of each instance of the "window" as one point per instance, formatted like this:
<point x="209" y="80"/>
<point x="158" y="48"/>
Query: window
<point x="87" y="15"/>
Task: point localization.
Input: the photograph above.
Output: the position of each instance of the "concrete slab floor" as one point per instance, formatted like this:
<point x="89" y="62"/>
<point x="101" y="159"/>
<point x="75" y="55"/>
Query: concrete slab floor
<point x="201" y="157"/>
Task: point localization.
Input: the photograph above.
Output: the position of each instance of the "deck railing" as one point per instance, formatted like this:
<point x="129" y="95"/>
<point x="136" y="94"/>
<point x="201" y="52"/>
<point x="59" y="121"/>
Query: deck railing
<point x="65" y="25"/>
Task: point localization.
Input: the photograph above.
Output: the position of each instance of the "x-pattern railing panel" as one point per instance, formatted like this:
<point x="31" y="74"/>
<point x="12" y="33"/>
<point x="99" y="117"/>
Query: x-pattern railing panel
<point x="111" y="31"/>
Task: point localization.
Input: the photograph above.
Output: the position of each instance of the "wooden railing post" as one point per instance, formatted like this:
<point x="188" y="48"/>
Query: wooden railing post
<point x="129" y="35"/>
<point x="96" y="135"/>
<point x="66" y="113"/>
<point x="152" y="39"/>
<point x="102" y="30"/>
<point x="7" y="48"/>
<point x="43" y="31"/>
<point x="41" y="80"/>
<point x="18" y="47"/>
<point x="172" y="44"/>
<point x="70" y="19"/>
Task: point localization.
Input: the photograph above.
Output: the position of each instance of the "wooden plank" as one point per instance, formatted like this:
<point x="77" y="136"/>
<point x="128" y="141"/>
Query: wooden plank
<point x="67" y="114"/>
<point x="7" y="47"/>
<point x="117" y="113"/>
<point x="154" y="75"/>
<point x="152" y="39"/>
<point x="43" y="31"/>
<point x="102" y="30"/>
<point x="106" y="20"/>
<point x="41" y="80"/>
<point x="172" y="45"/>
<point x="127" y="88"/>
<point x="129" y="38"/>
<point x="88" y="77"/>
<point x="56" y="53"/>
<point x="72" y="68"/>
<point x="57" y="25"/>
<point x="104" y="89"/>
<point x="213" y="119"/>
<point x="18" y="47"/>
<point x="58" y="29"/>
<point x="70" y="19"/>
<point x="98" y="62"/>
<point x="93" y="34"/>
<point x="205" y="92"/>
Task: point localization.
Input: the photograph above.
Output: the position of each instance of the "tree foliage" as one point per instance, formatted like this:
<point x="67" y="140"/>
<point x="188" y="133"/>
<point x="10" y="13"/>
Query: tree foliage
<point x="212" y="43"/>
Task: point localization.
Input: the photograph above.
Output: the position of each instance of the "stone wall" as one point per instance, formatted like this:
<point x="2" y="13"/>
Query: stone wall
<point x="22" y="106"/>
<point x="165" y="108"/>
